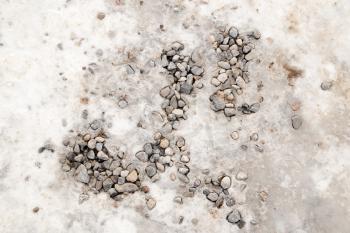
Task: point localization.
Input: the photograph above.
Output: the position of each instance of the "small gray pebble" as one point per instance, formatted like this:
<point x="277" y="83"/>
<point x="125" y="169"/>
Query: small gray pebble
<point x="296" y="121"/>
<point x="234" y="216"/>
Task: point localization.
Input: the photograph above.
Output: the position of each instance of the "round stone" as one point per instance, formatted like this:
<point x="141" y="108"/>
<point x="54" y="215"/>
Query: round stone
<point x="164" y="143"/>
<point x="225" y="182"/>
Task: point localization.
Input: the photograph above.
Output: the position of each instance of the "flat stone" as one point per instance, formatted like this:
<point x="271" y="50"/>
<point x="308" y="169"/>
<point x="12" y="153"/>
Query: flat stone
<point x="126" y="188"/>
<point x="178" y="112"/>
<point x="82" y="174"/>
<point x="225" y="65"/>
<point x="218" y="103"/>
<point x="254" y="107"/>
<point x="196" y="70"/>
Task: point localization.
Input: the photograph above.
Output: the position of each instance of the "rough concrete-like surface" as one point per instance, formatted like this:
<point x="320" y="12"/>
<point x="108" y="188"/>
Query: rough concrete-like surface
<point x="52" y="68"/>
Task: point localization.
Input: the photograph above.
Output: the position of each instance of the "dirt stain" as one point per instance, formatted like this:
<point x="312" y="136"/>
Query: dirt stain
<point x="293" y="73"/>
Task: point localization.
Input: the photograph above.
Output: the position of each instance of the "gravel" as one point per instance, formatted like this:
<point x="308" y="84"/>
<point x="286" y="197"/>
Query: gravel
<point x="126" y="188"/>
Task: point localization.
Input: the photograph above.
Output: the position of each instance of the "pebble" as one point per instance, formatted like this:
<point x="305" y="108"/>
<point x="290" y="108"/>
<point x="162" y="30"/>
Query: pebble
<point x="215" y="82"/>
<point x="229" y="112"/>
<point x="107" y="184"/>
<point x="233" y="32"/>
<point x="254" y="137"/>
<point x="178" y="112"/>
<point x="234" y="216"/>
<point x="132" y="176"/>
<point x="142" y="156"/>
<point x="164" y="143"/>
<point x="326" y="85"/>
<point x="150" y="171"/>
<point x="183" y="178"/>
<point x="296" y="121"/>
<point x="101" y="155"/>
<point x="224" y="65"/>
<point x="230" y="201"/>
<point x="82" y="174"/>
<point x="186" y="88"/>
<point x="35" y="210"/>
<point x="92" y="144"/>
<point x="197" y="70"/>
<point x="165" y="91"/>
<point x="241" y="175"/>
<point x="148" y="148"/>
<point x="151" y="203"/>
<point x="126" y="188"/>
<point x="254" y="107"/>
<point x="235" y="135"/>
<point x="122" y="104"/>
<point x="212" y="196"/>
<point x="178" y="200"/>
<point x="222" y="77"/>
<point x="225" y="182"/>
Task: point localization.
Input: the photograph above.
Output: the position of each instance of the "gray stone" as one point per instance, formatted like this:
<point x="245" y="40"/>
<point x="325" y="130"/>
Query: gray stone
<point x="233" y="32"/>
<point x="107" y="184"/>
<point x="122" y="104"/>
<point x="121" y="180"/>
<point x="142" y="156"/>
<point x="297" y="121"/>
<point x="230" y="201"/>
<point x="126" y="188"/>
<point x="186" y="88"/>
<point x="148" y="148"/>
<point x="234" y="216"/>
<point x="254" y="107"/>
<point x="91" y="154"/>
<point x="326" y="85"/>
<point x="164" y="61"/>
<point x="150" y="171"/>
<point x="82" y="174"/>
<point x="196" y="70"/>
<point x="217" y="103"/>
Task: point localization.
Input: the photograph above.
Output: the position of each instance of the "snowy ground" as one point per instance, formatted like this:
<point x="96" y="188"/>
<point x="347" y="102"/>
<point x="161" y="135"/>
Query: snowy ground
<point x="44" y="46"/>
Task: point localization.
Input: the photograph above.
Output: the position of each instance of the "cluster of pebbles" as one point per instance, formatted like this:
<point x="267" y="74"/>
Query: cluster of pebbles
<point x="234" y="53"/>
<point x="95" y="161"/>
<point x="165" y="152"/>
<point x="184" y="75"/>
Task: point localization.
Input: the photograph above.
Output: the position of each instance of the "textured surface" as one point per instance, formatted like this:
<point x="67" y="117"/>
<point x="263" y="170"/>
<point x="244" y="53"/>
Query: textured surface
<point x="300" y="183"/>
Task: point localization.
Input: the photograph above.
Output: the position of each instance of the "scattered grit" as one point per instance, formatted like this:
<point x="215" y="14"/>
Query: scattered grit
<point x="93" y="159"/>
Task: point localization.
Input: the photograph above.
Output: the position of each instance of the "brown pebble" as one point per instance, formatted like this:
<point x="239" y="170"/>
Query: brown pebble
<point x="145" y="189"/>
<point x="35" y="209"/>
<point x="101" y="15"/>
